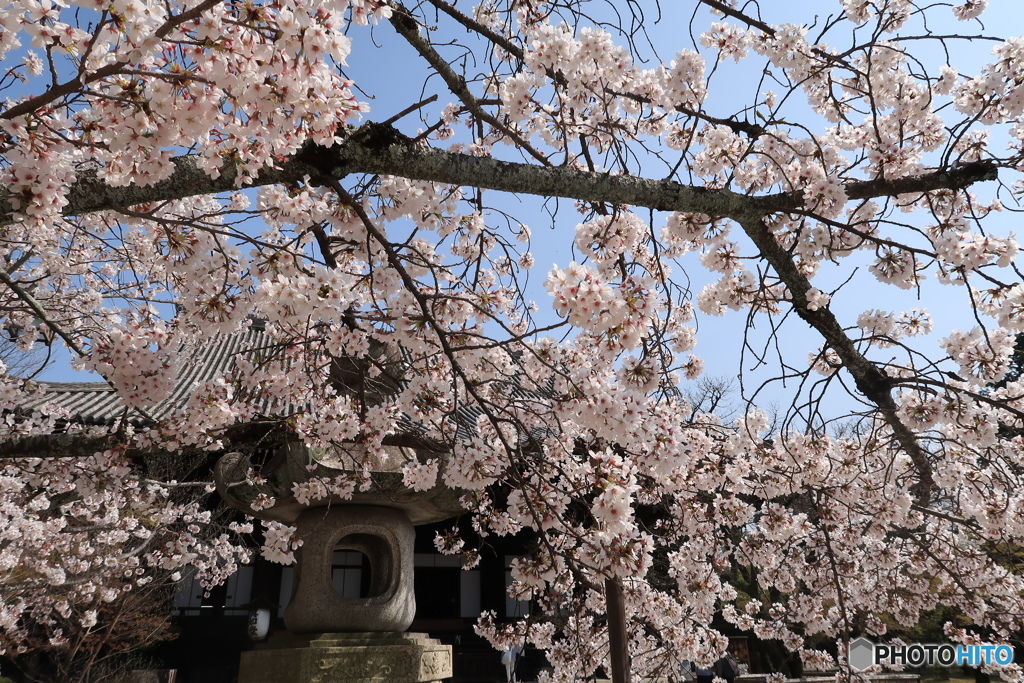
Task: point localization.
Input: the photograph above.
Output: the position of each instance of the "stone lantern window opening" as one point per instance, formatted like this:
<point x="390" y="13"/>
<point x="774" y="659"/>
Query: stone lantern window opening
<point x="350" y="573"/>
<point x="361" y="566"/>
<point x="379" y="566"/>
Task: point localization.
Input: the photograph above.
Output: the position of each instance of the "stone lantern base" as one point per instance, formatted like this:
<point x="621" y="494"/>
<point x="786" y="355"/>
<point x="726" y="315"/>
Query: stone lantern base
<point x="348" y="658"/>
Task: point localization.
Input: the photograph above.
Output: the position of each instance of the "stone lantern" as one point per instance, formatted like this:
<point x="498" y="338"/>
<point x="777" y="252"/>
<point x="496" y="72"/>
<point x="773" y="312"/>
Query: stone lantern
<point x="333" y="638"/>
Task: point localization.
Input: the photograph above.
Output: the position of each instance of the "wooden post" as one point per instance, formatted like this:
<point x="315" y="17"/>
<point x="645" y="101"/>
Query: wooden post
<point x="618" y="642"/>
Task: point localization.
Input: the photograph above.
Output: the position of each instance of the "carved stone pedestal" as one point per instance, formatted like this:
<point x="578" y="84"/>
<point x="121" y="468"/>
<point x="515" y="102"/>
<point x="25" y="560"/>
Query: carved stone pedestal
<point x="348" y="658"/>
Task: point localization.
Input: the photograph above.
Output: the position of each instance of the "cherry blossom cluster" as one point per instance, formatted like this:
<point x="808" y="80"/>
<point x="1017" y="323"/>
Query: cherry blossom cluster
<point x="142" y="375"/>
<point x="279" y="543"/>
<point x="398" y="307"/>
<point x="80" y="532"/>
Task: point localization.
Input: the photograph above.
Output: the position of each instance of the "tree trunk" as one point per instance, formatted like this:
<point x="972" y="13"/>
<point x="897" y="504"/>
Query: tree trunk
<point x="617" y="640"/>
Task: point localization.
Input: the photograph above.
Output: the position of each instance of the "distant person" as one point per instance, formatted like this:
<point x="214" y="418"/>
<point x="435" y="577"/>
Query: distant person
<point x="705" y="674"/>
<point x="508" y="658"/>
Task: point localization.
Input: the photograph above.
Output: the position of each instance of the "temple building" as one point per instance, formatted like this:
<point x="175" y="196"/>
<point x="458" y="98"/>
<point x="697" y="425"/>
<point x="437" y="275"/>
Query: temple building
<point x="213" y="627"/>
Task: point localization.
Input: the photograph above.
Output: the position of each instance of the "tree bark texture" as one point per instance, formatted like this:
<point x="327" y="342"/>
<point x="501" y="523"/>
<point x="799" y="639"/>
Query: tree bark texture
<point x="382" y="149"/>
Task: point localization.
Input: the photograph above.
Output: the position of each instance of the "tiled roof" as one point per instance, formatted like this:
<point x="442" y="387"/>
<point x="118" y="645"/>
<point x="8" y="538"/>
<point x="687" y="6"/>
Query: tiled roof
<point x="98" y="403"/>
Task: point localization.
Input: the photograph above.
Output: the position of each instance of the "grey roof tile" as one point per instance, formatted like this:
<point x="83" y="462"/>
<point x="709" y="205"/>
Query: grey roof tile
<point x="98" y="403"/>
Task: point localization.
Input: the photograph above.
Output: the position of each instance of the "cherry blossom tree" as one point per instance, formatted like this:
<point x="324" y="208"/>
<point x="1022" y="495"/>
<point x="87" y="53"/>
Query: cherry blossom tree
<point x="176" y="169"/>
<point x="107" y="645"/>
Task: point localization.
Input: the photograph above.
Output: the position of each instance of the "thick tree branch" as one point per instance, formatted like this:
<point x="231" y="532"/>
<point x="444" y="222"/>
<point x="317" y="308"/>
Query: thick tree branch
<point x="90" y="194"/>
<point x="380" y="149"/>
<point x="874" y="384"/>
<point x="952" y="178"/>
